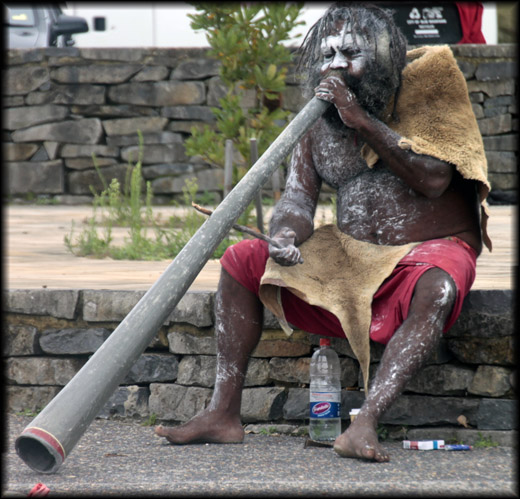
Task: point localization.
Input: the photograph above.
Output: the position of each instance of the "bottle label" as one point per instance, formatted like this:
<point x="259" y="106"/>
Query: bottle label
<point x="325" y="405"/>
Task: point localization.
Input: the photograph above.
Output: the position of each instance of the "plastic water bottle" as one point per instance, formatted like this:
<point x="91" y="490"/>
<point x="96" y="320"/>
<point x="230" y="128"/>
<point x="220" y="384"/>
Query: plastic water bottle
<point x="325" y="393"/>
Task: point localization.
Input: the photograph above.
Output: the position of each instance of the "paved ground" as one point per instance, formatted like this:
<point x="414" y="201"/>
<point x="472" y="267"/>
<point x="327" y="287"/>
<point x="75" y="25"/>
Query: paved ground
<point x="36" y="257"/>
<point x="126" y="459"/>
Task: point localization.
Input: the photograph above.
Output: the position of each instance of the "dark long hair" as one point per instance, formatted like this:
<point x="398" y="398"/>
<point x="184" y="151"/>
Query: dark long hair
<point x="368" y="21"/>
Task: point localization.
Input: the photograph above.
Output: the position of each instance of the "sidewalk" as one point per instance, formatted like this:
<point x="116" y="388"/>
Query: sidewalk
<point x="126" y="459"/>
<point x="36" y="256"/>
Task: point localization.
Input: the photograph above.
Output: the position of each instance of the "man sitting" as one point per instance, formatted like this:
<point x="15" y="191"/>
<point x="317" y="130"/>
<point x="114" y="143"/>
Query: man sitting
<point x="402" y="148"/>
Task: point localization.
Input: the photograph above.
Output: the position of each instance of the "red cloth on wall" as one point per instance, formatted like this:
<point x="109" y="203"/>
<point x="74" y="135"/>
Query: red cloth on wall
<point x="470" y="15"/>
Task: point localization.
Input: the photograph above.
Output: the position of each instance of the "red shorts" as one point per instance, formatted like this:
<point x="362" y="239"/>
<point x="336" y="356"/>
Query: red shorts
<point x="246" y="260"/>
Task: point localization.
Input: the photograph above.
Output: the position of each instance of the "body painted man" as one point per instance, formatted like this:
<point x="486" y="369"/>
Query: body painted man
<point x="354" y="58"/>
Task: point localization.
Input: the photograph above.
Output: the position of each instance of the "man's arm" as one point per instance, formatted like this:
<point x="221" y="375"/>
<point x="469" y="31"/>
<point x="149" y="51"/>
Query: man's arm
<point x="293" y="217"/>
<point x="425" y="174"/>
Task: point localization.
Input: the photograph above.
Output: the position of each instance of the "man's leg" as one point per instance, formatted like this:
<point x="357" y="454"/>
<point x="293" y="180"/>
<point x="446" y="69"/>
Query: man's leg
<point x="404" y="355"/>
<point x="238" y="327"/>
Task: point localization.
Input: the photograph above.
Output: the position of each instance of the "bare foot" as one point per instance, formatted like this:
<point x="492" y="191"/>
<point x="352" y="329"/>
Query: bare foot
<point x="206" y="427"/>
<point x="360" y="441"/>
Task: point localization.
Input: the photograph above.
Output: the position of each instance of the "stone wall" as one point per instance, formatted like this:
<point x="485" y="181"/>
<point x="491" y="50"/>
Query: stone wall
<point x="50" y="334"/>
<point x="62" y="105"/>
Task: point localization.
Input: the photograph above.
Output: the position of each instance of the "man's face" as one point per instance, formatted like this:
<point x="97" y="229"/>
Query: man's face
<point x="355" y="61"/>
<point x="342" y="55"/>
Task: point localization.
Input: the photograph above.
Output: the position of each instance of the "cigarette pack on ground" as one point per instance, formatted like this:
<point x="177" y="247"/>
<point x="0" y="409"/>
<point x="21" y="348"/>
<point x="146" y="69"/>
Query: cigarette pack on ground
<point x="423" y="444"/>
<point x="432" y="445"/>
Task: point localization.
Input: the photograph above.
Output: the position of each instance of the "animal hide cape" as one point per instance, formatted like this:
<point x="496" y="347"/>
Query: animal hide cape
<point x="340" y="273"/>
<point x="435" y="117"/>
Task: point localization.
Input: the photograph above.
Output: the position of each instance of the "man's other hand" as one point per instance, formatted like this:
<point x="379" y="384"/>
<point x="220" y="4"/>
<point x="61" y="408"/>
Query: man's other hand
<point x="289" y="254"/>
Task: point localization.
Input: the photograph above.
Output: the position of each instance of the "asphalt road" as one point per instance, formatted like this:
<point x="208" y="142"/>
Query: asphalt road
<point x="116" y="458"/>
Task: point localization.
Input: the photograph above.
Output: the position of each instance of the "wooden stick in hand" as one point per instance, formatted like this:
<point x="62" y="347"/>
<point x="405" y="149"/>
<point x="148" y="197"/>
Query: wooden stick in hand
<point x="245" y="229"/>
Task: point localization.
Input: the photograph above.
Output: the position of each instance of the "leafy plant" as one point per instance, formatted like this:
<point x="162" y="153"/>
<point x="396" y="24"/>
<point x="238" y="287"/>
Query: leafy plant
<point x="190" y="222"/>
<point x="334" y="208"/>
<point x="302" y="431"/>
<point x="29" y="412"/>
<point x="152" y="419"/>
<point x="271" y="430"/>
<point x="46" y="201"/>
<point x="483" y="441"/>
<point x="127" y="206"/>
<point x="246" y="39"/>
<point x="382" y="433"/>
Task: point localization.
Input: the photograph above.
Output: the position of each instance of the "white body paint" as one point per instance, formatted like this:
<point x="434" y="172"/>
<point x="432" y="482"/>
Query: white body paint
<point x="333" y="49"/>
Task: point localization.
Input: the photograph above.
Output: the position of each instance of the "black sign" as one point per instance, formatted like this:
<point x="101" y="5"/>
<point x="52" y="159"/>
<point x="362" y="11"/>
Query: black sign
<point x="427" y="23"/>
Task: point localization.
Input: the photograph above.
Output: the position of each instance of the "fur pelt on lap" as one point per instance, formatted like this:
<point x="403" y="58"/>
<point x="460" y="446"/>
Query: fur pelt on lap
<point x="344" y="285"/>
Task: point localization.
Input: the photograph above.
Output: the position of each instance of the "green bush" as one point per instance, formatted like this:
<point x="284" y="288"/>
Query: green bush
<point x="247" y="40"/>
<point x="129" y="207"/>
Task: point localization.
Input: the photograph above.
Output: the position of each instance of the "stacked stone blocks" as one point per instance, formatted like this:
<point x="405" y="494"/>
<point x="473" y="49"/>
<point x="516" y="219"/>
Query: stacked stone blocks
<point x="50" y="334"/>
<point x="63" y="105"/>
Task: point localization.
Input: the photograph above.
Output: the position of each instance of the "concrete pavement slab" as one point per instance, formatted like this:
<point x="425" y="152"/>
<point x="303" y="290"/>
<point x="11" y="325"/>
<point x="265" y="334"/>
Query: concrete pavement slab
<point x="116" y="458"/>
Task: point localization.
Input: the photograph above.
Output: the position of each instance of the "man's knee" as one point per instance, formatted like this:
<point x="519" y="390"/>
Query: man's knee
<point x="435" y="291"/>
